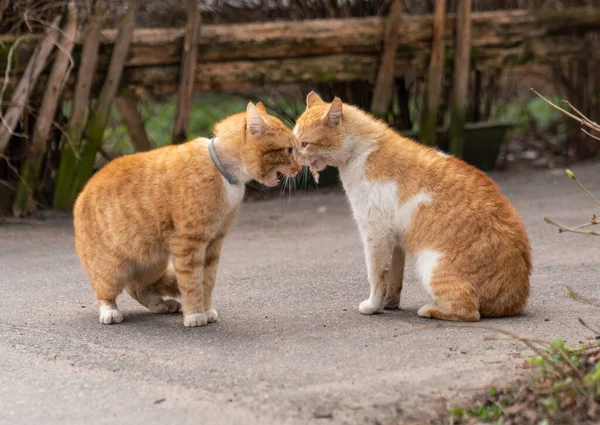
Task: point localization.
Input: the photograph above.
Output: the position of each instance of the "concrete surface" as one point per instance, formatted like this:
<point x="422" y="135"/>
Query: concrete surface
<point x="290" y="346"/>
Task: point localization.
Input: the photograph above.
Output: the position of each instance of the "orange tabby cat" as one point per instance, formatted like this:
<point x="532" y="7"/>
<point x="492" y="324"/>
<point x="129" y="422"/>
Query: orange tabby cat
<point x="470" y="247"/>
<point x="179" y="202"/>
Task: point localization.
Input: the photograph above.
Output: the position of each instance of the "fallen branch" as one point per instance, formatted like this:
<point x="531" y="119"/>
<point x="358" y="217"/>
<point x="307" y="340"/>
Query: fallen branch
<point x="30" y="170"/>
<point x="27" y="82"/>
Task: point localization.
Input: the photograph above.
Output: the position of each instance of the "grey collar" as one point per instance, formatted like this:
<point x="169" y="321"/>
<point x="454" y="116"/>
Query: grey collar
<point x="213" y="154"/>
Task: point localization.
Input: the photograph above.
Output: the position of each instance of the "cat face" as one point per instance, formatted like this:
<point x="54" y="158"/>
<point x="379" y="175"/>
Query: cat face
<point x="320" y="132"/>
<point x="270" y="147"/>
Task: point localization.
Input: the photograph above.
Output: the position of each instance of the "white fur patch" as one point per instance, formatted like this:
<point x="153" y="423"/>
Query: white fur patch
<point x="371" y="306"/>
<point x="212" y="315"/>
<point x="443" y="154"/>
<point x="426" y="263"/>
<point x="296" y="131"/>
<point x="235" y="193"/>
<point x="404" y="214"/>
<point x="110" y="315"/>
<point x="195" y="320"/>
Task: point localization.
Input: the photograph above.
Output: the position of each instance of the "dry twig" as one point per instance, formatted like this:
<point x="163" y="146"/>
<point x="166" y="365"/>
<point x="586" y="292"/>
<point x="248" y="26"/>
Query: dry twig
<point x="578" y="297"/>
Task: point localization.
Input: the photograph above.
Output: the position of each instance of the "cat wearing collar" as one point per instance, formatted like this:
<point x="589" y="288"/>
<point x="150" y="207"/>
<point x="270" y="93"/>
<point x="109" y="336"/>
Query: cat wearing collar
<point x="153" y="223"/>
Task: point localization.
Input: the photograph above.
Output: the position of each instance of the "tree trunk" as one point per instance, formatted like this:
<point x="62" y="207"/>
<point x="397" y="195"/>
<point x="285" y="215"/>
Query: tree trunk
<point x="462" y="69"/>
<point x="435" y="76"/>
<point x="189" y="64"/>
<point x="99" y="117"/>
<point x="127" y="102"/>
<point x="382" y="93"/>
<point x="31" y="167"/>
<point x="26" y="84"/>
<point x="72" y="138"/>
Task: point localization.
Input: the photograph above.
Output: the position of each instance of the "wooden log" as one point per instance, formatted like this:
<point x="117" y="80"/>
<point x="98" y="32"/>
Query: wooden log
<point x="72" y="138"/>
<point x="99" y="117"/>
<point x="269" y="40"/>
<point x="382" y="94"/>
<point x="499" y="39"/>
<point x="31" y="167"/>
<point x="435" y="76"/>
<point x="462" y="69"/>
<point x="127" y="102"/>
<point x="28" y="80"/>
<point x="189" y="63"/>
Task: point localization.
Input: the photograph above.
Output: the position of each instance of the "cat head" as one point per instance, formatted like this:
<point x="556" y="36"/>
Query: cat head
<point x="320" y="131"/>
<point x="268" y="147"/>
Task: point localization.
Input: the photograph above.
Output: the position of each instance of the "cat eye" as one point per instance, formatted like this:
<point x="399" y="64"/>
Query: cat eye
<point x="290" y="151"/>
<point x="304" y="144"/>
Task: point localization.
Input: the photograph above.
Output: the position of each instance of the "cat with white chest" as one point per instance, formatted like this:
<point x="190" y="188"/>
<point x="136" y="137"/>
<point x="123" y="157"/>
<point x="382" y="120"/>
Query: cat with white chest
<point x="468" y="242"/>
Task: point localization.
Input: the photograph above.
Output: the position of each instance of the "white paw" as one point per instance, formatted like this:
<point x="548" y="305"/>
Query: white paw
<point x="424" y="311"/>
<point x="195" y="320"/>
<point x="370" y="306"/>
<point x="166" y="306"/>
<point x="110" y="315"/>
<point x="212" y="315"/>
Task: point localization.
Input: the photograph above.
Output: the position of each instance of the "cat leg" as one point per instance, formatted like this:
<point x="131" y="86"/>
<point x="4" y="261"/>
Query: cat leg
<point x="454" y="299"/>
<point x="213" y="254"/>
<point x="395" y="280"/>
<point x="150" y="295"/>
<point x="106" y="294"/>
<point x="189" y="256"/>
<point x="378" y="253"/>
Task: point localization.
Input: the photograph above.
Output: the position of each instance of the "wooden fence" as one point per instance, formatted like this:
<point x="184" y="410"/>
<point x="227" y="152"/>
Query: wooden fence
<point x="121" y="64"/>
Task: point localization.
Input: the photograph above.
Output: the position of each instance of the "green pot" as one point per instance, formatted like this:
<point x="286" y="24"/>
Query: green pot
<point x="481" y="144"/>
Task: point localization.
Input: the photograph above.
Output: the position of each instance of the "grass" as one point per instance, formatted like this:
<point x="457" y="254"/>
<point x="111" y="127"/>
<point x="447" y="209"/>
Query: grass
<point x="564" y="389"/>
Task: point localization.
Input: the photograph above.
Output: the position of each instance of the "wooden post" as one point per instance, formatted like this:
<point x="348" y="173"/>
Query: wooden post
<point x="27" y="82"/>
<point x="385" y="75"/>
<point x="72" y="138"/>
<point x="99" y="117"/>
<point x="189" y="60"/>
<point x="431" y="98"/>
<point x="127" y="101"/>
<point x="31" y="168"/>
<point x="462" y="69"/>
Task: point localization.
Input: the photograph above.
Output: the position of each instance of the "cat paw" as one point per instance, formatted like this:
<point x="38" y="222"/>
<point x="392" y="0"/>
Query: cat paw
<point x="195" y="320"/>
<point x="425" y="311"/>
<point x="110" y="315"/>
<point x="369" y="307"/>
<point x="166" y="306"/>
<point x="212" y="315"/>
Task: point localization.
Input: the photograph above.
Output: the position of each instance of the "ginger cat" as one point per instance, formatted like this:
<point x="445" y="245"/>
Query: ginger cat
<point x="470" y="246"/>
<point x="176" y="201"/>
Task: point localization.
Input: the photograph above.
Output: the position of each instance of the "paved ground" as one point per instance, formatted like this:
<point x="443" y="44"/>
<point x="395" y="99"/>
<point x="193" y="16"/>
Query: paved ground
<point x="290" y="345"/>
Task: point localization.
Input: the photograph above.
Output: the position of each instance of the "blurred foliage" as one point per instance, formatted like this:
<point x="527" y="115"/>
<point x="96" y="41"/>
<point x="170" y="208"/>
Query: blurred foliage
<point x="207" y="110"/>
<point x="525" y="113"/>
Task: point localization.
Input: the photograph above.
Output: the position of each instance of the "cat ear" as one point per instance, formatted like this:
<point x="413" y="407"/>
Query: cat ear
<point x="335" y="113"/>
<point x="255" y="123"/>
<point x="313" y="99"/>
<point x="261" y="107"/>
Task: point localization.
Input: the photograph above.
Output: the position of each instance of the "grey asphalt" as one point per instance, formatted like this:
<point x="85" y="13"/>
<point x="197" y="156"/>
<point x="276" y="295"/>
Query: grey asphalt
<point x="290" y="346"/>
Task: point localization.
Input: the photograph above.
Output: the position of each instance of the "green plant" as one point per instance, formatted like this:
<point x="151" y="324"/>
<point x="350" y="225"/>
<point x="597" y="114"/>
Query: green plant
<point x="565" y="389"/>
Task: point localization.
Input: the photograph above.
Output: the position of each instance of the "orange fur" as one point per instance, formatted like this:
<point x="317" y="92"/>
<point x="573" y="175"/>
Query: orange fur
<point x="470" y="245"/>
<point x="143" y="209"/>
